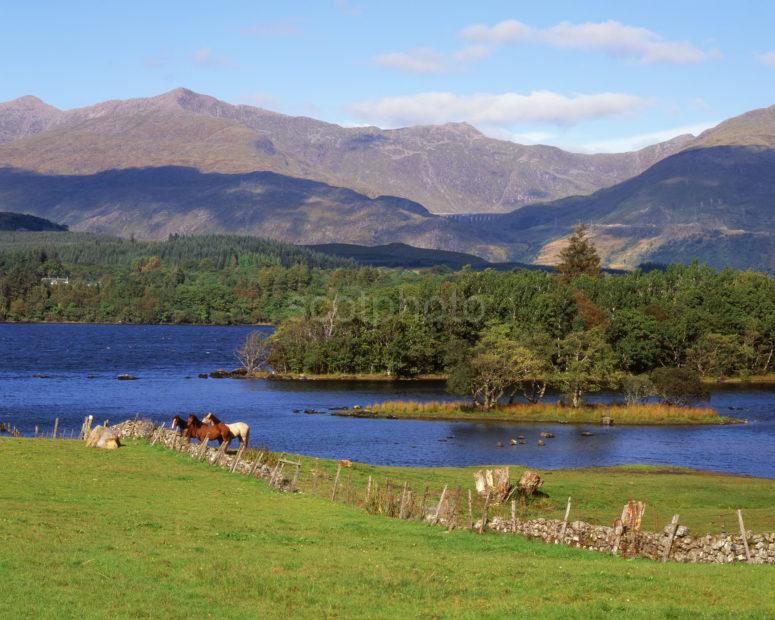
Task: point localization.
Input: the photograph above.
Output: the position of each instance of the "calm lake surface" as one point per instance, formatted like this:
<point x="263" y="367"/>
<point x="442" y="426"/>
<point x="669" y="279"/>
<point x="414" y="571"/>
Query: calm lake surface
<point x="81" y="362"/>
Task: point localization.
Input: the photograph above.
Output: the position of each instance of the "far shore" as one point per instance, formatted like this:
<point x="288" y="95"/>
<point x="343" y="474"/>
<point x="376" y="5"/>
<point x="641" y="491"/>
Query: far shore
<point x="613" y="414"/>
<point x="768" y="380"/>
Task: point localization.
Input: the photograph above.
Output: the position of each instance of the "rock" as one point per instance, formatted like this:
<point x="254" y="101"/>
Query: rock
<point x="220" y="374"/>
<point x="586" y="434"/>
<point x="529" y="482"/>
<point x="607" y="420"/>
<point x="103" y="437"/>
<point x="499" y="444"/>
<point x="40" y="376"/>
<point x="311" y="411"/>
<point x="513" y="442"/>
<point x="541" y="442"/>
<point x="681" y="531"/>
<point x="546" y="435"/>
<point x="203" y="375"/>
<point x="126" y="377"/>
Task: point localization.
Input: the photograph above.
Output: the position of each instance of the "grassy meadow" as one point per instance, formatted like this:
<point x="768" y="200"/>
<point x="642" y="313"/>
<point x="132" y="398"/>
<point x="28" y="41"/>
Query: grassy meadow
<point x="145" y="532"/>
<point x="643" y="414"/>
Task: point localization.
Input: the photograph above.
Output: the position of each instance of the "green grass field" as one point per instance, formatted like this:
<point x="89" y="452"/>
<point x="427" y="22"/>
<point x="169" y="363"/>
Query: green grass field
<point x="145" y="532"/>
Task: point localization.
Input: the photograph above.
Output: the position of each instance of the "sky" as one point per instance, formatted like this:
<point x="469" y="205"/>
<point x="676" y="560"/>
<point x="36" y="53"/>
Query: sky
<point x="586" y="76"/>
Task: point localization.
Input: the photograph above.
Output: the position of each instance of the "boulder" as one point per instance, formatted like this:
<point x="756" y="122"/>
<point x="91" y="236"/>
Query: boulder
<point x="103" y="437"/>
<point x="495" y="481"/>
<point x="529" y="483"/>
<point x="126" y="377"/>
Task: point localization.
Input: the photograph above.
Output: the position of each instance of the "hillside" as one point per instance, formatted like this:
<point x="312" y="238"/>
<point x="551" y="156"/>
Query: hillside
<point x="449" y="168"/>
<point x="23" y="222"/>
<point x="154" y="203"/>
<point x="713" y="204"/>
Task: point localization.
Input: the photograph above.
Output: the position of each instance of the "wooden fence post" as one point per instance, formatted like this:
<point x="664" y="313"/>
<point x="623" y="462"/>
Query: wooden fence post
<point x="470" y="511"/>
<point x="368" y="492"/>
<point x="336" y="481"/>
<point x="56" y="428"/>
<point x="255" y="464"/>
<point x="670" y="537"/>
<point x="744" y="536"/>
<point x="202" y="450"/>
<point x="424" y="503"/>
<point x="350" y="484"/>
<point x="451" y="515"/>
<point x="514" y="515"/>
<point x="403" y="500"/>
<point x="279" y="477"/>
<point x="439" y="505"/>
<point x="36" y="430"/>
<point x="486" y="507"/>
<point x="221" y="451"/>
<point x="237" y="458"/>
<point x="564" y="523"/>
<point x="296" y="476"/>
<point x="157" y="435"/>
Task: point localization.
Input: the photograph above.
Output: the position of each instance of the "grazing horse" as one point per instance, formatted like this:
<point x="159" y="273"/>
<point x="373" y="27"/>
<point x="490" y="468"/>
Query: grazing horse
<point x="238" y="429"/>
<point x="205" y="432"/>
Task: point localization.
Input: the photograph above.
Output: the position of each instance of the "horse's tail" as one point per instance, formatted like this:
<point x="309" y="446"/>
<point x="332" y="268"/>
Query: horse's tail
<point x="247" y="435"/>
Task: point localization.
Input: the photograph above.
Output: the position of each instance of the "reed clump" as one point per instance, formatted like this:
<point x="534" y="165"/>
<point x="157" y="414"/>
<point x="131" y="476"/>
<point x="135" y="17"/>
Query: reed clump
<point x="620" y="413"/>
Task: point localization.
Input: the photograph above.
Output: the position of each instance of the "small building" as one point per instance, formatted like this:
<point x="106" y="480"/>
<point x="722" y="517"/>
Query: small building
<point x="55" y="281"/>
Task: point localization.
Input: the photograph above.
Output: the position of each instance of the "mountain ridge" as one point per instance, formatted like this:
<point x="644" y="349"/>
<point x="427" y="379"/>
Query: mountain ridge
<point x="449" y="168"/>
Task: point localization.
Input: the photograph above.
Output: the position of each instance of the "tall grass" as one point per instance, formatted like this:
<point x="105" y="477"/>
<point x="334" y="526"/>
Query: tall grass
<point x="553" y="412"/>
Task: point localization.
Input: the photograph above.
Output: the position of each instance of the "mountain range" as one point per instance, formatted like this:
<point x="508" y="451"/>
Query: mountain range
<point x="188" y="163"/>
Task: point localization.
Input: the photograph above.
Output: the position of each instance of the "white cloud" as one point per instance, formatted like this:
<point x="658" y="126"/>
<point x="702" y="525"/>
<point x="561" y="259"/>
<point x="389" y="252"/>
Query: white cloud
<point x="767" y="59"/>
<point x="429" y="60"/>
<point x="636" y="142"/>
<point x="611" y="37"/>
<point x="494" y="110"/>
<point x="502" y="32"/>
<point x="205" y="57"/>
<point x="421" y="60"/>
<point x="532" y="137"/>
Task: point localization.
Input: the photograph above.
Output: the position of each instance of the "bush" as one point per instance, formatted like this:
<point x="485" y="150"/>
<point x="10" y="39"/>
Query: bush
<point x="678" y="386"/>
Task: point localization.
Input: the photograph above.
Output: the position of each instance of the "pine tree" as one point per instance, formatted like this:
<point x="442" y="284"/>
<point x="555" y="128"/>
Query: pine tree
<point x="580" y="256"/>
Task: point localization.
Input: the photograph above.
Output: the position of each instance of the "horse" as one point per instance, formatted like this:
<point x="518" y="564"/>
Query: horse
<point x="178" y="423"/>
<point x="238" y="429"/>
<point x="205" y="432"/>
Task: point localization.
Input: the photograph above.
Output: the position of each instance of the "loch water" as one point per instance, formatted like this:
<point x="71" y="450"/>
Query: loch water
<point x="67" y="371"/>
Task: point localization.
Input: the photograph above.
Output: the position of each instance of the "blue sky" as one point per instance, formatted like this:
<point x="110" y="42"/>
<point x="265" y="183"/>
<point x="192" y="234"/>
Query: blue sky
<point x="582" y="75"/>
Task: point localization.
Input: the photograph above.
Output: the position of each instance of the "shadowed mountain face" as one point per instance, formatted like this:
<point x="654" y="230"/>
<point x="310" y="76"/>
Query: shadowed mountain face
<point x="450" y="168"/>
<point x="156" y="202"/>
<point x="23" y="223"/>
<point x="714" y="204"/>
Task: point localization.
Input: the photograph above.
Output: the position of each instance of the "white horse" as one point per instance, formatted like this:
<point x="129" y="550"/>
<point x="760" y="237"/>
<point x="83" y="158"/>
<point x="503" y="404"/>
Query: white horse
<point x="240" y="430"/>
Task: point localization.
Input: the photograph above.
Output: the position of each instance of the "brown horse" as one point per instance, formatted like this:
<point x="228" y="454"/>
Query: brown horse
<point x="205" y="432"/>
<point x="240" y="430"/>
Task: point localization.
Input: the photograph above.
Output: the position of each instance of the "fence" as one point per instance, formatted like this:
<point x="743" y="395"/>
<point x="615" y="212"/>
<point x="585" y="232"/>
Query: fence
<point x="459" y="508"/>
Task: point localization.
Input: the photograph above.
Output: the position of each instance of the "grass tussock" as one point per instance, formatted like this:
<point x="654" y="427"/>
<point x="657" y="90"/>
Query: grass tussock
<point x="652" y="413"/>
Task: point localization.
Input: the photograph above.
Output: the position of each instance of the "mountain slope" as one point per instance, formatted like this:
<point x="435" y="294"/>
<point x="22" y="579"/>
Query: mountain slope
<point x="153" y="203"/>
<point x="713" y="204"/>
<point x="23" y="222"/>
<point x="26" y="116"/>
<point x="451" y="168"/>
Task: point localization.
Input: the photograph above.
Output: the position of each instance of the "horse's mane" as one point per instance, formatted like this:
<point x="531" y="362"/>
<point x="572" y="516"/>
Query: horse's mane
<point x="213" y="419"/>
